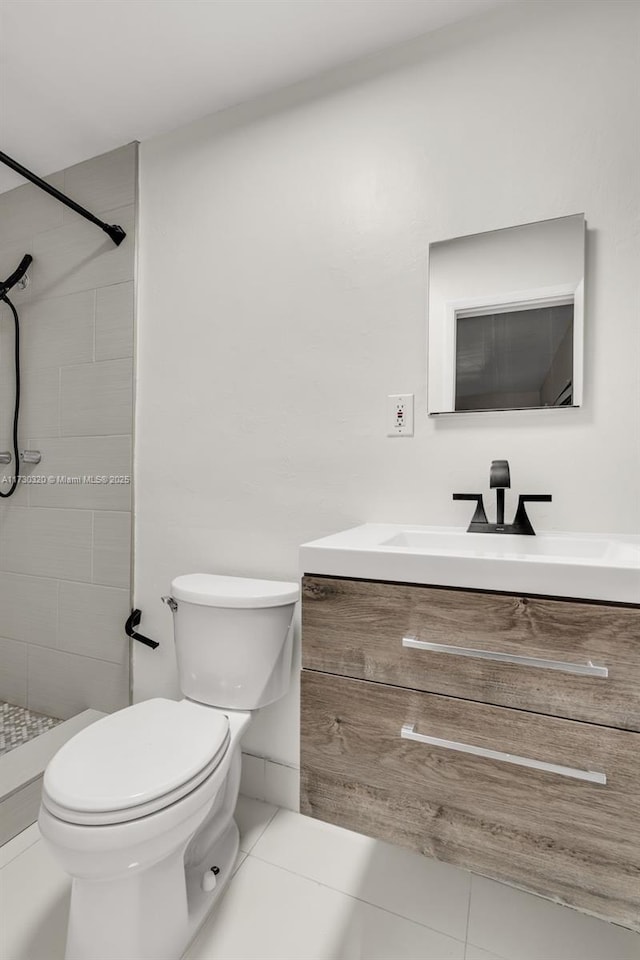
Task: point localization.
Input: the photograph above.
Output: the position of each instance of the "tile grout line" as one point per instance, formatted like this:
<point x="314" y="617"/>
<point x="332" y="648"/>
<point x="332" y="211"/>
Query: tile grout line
<point x="59" y="434"/>
<point x="41" y="576"/>
<point x="95" y="312"/>
<point x="32" y="843"/>
<point x="45" y="506"/>
<point x="29" y="301"/>
<point x="32" y="645"/>
<point x="93" y="545"/>
<point x="352" y="896"/>
<point x="58" y="631"/>
<point x="27" y="671"/>
<point x="81" y="436"/>
<point x="264" y="829"/>
<point x="466" y="929"/>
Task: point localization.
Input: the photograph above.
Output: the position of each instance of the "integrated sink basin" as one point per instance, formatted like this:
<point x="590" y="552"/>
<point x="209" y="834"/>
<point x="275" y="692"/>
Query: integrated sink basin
<point x="582" y="566"/>
<point x="505" y="545"/>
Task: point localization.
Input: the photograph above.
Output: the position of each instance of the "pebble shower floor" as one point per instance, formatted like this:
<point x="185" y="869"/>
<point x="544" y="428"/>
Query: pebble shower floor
<point x="18" y="725"/>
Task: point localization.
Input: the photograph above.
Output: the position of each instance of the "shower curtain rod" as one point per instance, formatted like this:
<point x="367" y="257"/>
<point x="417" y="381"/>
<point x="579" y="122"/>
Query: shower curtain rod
<point x="116" y="233"/>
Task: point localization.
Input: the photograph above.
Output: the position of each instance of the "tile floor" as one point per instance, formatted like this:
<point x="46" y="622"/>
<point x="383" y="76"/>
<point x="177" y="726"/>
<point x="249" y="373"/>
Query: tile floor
<point x="304" y="890"/>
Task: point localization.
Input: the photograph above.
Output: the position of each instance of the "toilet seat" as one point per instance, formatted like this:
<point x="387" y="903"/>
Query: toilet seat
<point x="135" y="762"/>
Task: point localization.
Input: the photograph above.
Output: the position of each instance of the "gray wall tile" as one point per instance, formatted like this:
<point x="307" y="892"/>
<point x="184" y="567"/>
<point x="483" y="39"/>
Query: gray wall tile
<point x="91" y="621"/>
<point x="58" y="331"/>
<point x="40" y="387"/>
<point x="114" y="321"/>
<point x="13" y="672"/>
<point x="21" y="495"/>
<point x="28" y="609"/>
<point x="26" y="210"/>
<point x="79" y="256"/>
<point x="80" y="457"/>
<point x="96" y="398"/>
<point x="112" y="549"/>
<point x="104" y="182"/>
<point x="62" y="684"/>
<point x="44" y="542"/>
<point x="39" y="400"/>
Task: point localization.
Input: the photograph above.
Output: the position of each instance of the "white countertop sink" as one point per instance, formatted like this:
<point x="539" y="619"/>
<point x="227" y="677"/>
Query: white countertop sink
<point x="582" y="566"/>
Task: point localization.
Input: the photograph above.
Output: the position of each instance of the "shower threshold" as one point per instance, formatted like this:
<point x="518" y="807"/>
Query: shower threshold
<point x="22" y="767"/>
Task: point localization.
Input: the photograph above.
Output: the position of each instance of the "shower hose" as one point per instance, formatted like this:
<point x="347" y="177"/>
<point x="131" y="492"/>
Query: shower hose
<point x="16" y="407"/>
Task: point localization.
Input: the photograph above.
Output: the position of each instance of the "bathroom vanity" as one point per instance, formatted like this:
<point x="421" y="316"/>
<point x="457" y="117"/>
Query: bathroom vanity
<point x="491" y="726"/>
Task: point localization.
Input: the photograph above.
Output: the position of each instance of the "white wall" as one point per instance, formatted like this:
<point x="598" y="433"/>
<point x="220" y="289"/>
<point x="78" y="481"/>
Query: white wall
<point x="282" y="296"/>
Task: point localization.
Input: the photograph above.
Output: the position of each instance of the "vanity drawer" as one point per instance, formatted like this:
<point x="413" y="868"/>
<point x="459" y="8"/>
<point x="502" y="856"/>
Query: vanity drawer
<point x="571" y="659"/>
<point x="545" y="822"/>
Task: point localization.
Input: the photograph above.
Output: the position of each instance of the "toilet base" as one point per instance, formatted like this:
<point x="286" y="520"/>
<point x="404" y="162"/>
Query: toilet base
<point x="155" y="915"/>
<point x="201" y="901"/>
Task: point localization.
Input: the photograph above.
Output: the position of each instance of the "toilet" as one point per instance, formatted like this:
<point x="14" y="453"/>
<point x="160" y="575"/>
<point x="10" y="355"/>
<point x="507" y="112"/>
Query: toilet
<point x="138" y="807"/>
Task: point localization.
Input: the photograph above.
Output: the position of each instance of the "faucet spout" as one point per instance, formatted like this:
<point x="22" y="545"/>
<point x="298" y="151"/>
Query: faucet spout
<point x="499" y="478"/>
<point x="499" y="475"/>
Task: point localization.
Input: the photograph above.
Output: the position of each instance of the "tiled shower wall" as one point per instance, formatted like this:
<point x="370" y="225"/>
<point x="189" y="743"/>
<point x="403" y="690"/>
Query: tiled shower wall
<point x="65" y="547"/>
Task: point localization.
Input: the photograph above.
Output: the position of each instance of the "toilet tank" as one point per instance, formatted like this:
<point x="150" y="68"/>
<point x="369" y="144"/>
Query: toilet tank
<point x="234" y="639"/>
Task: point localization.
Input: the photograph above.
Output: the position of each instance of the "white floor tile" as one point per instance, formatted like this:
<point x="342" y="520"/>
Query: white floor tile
<point x="34" y="907"/>
<point x="9" y="851"/>
<point x="415" y="887"/>
<point x="377" y="935"/>
<point x="270" y="914"/>
<point x="252" y="817"/>
<point x="520" y="926"/>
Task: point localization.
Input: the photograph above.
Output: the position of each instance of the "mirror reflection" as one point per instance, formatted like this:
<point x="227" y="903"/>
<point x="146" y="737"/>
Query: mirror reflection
<point x="516" y="359"/>
<point x="506" y="318"/>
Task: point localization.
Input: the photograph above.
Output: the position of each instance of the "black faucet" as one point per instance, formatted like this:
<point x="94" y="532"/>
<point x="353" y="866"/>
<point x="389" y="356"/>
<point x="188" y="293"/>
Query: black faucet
<point x="500" y="480"/>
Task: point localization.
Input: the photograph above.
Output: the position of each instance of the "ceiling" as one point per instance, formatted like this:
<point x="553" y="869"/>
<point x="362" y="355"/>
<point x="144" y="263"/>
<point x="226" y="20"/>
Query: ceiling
<point x="80" y="77"/>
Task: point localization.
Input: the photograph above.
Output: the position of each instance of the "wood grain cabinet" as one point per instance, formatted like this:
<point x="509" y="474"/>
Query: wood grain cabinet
<point x="496" y="732"/>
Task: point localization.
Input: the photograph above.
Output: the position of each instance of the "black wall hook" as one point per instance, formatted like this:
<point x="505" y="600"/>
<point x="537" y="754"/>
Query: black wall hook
<point x="133" y="621"/>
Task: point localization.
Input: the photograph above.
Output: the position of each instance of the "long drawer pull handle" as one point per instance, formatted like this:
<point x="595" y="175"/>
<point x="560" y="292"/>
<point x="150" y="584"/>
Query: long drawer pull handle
<point x="582" y="669"/>
<point x="408" y="732"/>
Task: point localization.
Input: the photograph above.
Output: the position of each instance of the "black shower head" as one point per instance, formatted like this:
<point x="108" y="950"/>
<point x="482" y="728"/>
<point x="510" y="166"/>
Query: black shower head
<point x="5" y="285"/>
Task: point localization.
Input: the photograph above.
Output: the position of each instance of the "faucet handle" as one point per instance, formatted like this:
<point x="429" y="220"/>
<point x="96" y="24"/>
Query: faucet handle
<point x="521" y="523"/>
<point x="479" y="515"/>
<point x="499" y="475"/>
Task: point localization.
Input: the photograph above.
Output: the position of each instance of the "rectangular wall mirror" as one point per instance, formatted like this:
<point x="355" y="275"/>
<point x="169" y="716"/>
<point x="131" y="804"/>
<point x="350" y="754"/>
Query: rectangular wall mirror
<point x="506" y="316"/>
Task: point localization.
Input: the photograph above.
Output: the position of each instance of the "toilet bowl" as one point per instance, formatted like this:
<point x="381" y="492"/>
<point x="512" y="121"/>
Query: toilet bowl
<point x="138" y="808"/>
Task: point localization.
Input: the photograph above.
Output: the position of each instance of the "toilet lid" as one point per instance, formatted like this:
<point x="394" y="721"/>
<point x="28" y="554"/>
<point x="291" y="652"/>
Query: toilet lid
<point x="136" y="755"/>
<point x="212" y="590"/>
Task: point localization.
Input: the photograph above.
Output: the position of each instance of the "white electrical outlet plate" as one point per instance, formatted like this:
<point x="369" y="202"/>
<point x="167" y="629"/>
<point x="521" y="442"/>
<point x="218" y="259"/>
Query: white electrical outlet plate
<point x="400" y="415"/>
